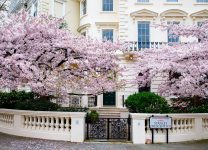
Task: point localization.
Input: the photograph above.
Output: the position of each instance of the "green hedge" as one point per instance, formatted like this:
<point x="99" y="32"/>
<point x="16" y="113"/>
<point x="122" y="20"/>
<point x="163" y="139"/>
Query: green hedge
<point x="147" y="102"/>
<point x="9" y="100"/>
<point x="73" y="109"/>
<point x="30" y="101"/>
<point x="37" y="105"/>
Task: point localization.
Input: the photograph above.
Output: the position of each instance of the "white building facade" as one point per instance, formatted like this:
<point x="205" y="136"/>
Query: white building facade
<point x="131" y="21"/>
<point x="134" y="21"/>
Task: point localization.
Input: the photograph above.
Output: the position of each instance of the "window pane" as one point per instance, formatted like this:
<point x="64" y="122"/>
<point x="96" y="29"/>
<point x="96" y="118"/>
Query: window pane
<point x="143" y="34"/>
<point x="107" y="35"/>
<point x="107" y="5"/>
<point x="172" y="37"/>
<point x="84" y="7"/>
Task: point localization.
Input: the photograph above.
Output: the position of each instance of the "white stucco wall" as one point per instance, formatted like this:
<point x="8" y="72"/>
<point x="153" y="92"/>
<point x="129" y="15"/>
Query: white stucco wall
<point x="127" y="26"/>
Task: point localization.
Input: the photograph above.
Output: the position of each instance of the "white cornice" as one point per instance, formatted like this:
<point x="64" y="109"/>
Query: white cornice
<point x="101" y="24"/>
<point x="200" y="14"/>
<point x="144" y="13"/>
<point x="174" y="13"/>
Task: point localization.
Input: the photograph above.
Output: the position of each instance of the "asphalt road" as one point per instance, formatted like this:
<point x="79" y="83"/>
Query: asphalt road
<point x="8" y="142"/>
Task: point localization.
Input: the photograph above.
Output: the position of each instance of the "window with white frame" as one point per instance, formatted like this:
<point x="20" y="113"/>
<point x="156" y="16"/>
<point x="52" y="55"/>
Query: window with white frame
<point x="172" y="38"/>
<point x="107" y="5"/>
<point x="143" y="1"/>
<point x="107" y="35"/>
<point x="84" y="7"/>
<point x="202" y="1"/>
<point x="143" y="34"/>
<point x="171" y="0"/>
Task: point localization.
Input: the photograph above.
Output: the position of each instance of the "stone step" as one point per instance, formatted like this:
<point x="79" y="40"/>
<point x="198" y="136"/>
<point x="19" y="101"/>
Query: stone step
<point x="112" y="112"/>
<point x="112" y="109"/>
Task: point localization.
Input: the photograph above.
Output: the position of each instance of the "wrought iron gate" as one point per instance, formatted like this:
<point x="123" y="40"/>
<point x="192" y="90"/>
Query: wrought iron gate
<point x="109" y="129"/>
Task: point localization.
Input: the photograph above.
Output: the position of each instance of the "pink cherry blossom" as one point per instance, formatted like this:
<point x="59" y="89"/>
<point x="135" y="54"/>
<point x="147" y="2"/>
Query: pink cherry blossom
<point x="185" y="65"/>
<point x="35" y="52"/>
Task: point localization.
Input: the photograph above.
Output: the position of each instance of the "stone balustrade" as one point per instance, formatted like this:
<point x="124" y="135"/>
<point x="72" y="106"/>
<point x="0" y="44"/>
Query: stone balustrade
<point x="134" y="46"/>
<point x="185" y="127"/>
<point x="70" y="126"/>
<point x="67" y="126"/>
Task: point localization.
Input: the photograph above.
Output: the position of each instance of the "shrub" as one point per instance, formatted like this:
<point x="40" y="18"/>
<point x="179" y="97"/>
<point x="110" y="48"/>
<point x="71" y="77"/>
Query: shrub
<point x="73" y="109"/>
<point x="9" y="100"/>
<point x="200" y="109"/>
<point x="147" y="102"/>
<point x="37" y="105"/>
<point x="92" y="116"/>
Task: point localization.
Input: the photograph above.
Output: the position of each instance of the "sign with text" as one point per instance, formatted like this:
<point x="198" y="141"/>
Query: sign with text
<point x="160" y="122"/>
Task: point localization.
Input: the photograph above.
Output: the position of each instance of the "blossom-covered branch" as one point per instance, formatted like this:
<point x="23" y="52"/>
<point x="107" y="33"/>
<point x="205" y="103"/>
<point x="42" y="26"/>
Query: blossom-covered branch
<point x="36" y="52"/>
<point x="185" y="65"/>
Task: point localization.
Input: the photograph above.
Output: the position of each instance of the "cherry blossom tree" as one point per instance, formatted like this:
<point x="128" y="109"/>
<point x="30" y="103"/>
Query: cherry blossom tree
<point x="37" y="52"/>
<point x="184" y="65"/>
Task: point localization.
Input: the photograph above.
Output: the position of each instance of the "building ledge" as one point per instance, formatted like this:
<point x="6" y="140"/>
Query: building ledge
<point x="108" y="12"/>
<point x="200" y="3"/>
<point x="83" y="27"/>
<point x="172" y="3"/>
<point x="143" y="3"/>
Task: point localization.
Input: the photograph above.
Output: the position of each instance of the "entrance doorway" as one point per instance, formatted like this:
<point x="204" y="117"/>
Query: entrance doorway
<point x="109" y="99"/>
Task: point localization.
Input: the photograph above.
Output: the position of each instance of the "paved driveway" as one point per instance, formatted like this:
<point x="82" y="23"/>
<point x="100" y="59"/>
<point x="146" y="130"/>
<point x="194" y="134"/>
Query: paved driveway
<point x="8" y="142"/>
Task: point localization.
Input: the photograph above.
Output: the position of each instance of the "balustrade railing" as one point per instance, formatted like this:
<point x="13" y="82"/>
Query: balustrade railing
<point x="47" y="123"/>
<point x="40" y="124"/>
<point x="205" y="124"/>
<point x="6" y="119"/>
<point x="137" y="46"/>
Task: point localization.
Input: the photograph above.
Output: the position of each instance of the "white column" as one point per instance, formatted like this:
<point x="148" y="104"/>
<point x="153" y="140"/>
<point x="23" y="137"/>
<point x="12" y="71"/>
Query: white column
<point x="84" y="101"/>
<point x="78" y="127"/>
<point x="138" y="129"/>
<point x="119" y="101"/>
<point x="100" y="100"/>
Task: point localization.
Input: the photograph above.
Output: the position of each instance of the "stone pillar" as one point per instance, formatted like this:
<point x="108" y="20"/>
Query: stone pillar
<point x="119" y="100"/>
<point x="138" y="129"/>
<point x="100" y="101"/>
<point x="198" y="128"/>
<point x="18" y="121"/>
<point x="78" y="127"/>
<point x="84" y="101"/>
